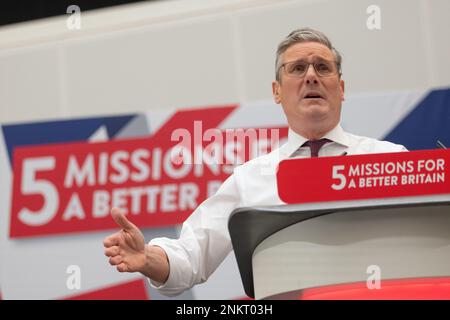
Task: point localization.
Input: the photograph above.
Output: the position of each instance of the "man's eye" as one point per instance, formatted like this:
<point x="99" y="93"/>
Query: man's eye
<point x="298" y="68"/>
<point x="323" y="67"/>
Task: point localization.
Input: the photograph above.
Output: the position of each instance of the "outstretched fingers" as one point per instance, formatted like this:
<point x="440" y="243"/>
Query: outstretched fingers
<point x="116" y="260"/>
<point x="122" y="267"/>
<point x="112" y="240"/>
<point x="112" y="251"/>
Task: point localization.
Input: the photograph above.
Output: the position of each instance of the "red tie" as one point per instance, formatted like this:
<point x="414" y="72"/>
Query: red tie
<point x="315" y="146"/>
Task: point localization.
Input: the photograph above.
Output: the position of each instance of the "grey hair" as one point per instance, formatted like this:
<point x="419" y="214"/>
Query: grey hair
<point x="305" y="35"/>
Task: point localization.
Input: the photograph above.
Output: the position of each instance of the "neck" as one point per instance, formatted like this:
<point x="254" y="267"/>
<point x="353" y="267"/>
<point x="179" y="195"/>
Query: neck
<point x="313" y="130"/>
<point x="313" y="133"/>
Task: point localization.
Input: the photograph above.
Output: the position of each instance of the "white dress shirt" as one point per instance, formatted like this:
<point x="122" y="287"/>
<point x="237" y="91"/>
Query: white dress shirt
<point x="204" y="240"/>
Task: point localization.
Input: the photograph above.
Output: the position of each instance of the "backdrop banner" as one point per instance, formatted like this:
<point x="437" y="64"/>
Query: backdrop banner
<point x="59" y="180"/>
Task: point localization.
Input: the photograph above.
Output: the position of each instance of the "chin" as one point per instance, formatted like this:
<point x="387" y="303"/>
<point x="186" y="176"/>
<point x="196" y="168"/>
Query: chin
<point x="315" y="109"/>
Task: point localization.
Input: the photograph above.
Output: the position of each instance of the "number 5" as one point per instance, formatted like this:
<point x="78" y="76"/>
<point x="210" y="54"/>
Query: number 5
<point x="339" y="176"/>
<point x="31" y="185"/>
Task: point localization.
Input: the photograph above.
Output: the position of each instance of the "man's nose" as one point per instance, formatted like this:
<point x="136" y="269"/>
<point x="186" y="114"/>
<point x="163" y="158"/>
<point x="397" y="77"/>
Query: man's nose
<point x="311" y="76"/>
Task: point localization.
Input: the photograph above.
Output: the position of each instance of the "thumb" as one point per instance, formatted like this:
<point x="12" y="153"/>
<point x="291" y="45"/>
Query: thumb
<point x="120" y="219"/>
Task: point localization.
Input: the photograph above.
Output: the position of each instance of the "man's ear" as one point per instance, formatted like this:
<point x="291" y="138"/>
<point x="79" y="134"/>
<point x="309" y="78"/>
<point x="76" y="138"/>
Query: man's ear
<point x="342" y="85"/>
<point x="276" y="92"/>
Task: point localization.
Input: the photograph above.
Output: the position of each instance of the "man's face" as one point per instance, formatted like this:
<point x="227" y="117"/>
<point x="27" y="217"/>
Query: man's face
<point x="311" y="103"/>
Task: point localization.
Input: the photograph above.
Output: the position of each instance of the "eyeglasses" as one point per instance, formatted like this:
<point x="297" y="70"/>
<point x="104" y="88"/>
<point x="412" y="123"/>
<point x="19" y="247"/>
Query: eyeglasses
<point x="299" y="68"/>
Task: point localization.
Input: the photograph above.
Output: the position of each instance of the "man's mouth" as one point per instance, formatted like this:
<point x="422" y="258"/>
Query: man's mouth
<point x="313" y="95"/>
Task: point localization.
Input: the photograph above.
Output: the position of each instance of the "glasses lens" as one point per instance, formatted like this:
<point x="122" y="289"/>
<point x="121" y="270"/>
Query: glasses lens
<point x="298" y="69"/>
<point x="325" y="68"/>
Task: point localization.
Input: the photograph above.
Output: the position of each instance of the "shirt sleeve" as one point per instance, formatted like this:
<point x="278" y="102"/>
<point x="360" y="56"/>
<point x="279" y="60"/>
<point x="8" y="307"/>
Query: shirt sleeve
<point x="203" y="244"/>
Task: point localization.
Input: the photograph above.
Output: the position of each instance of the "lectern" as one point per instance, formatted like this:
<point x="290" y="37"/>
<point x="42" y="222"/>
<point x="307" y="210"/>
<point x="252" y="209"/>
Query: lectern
<point x="385" y="242"/>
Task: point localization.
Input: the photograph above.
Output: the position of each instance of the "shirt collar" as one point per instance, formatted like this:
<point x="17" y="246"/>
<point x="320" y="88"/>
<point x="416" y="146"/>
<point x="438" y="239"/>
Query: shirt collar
<point x="337" y="134"/>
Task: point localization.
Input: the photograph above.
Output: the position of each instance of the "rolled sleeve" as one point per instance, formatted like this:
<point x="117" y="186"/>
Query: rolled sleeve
<point x="177" y="268"/>
<point x="203" y="244"/>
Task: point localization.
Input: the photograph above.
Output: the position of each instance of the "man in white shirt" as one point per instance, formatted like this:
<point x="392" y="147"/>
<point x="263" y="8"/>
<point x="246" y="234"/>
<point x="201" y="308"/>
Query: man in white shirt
<point x="309" y="87"/>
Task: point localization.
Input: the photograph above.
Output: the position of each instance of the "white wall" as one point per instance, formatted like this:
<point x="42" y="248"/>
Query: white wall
<point x="181" y="53"/>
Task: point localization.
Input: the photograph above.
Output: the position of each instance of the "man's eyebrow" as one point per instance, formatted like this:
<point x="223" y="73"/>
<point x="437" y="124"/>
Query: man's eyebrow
<point x="312" y="58"/>
<point x="321" y="57"/>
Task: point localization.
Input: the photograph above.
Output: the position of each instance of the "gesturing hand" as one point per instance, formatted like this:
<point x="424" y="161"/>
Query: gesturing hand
<point x="125" y="248"/>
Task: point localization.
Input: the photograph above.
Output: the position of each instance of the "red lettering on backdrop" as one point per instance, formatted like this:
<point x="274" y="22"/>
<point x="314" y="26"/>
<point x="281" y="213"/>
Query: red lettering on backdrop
<point x="71" y="187"/>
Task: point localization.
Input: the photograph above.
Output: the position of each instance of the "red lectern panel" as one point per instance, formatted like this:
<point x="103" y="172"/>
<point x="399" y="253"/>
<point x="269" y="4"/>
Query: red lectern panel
<point x="371" y="176"/>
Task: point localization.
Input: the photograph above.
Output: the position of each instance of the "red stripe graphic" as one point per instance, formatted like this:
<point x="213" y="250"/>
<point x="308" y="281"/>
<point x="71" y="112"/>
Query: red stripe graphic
<point x="133" y="290"/>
